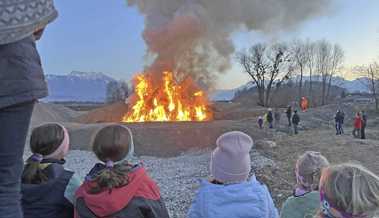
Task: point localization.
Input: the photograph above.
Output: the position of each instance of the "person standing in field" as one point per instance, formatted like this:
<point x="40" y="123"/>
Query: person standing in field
<point x="260" y="122"/>
<point x="364" y="124"/>
<point x="357" y="125"/>
<point x="295" y="122"/>
<point x="289" y="114"/>
<point x="339" y="120"/>
<point x="342" y="121"/>
<point x="21" y="84"/>
<point x="270" y="118"/>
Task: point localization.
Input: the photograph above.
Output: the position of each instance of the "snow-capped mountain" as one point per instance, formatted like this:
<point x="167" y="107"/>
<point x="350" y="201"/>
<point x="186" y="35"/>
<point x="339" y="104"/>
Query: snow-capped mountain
<point x="77" y="86"/>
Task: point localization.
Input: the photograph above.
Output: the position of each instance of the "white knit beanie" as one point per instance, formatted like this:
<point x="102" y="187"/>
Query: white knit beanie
<point x="21" y="18"/>
<point x="230" y="161"/>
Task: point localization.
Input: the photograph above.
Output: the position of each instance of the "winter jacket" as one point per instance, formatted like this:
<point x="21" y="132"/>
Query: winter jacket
<point x="339" y="118"/>
<point x="357" y="122"/>
<point x="269" y="117"/>
<point x="296" y="119"/>
<point x="305" y="206"/>
<point x="54" y="198"/>
<point x="250" y="199"/>
<point x="139" y="199"/>
<point x="289" y="112"/>
<point x="364" y="120"/>
<point x="21" y="74"/>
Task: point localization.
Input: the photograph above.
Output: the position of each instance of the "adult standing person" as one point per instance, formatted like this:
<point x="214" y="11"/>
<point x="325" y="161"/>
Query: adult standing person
<point x="270" y="118"/>
<point x="342" y="120"/>
<point x="357" y="125"/>
<point x="289" y="114"/>
<point x="21" y="84"/>
<point x="339" y="120"/>
<point x="295" y="121"/>
<point x="364" y="124"/>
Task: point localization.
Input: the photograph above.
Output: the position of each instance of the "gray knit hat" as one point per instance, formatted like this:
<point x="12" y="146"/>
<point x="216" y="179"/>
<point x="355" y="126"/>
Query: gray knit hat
<point x="21" y="18"/>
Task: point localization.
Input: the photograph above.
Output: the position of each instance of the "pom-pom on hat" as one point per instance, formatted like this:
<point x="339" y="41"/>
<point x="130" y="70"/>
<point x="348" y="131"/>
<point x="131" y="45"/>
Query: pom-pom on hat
<point x="230" y="161"/>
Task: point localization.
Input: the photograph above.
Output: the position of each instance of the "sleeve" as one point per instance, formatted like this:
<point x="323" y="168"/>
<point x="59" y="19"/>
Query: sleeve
<point x="71" y="188"/>
<point x="272" y="211"/>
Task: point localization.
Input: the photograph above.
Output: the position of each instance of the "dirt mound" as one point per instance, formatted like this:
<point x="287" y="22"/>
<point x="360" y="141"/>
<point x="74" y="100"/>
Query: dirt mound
<point x="110" y="113"/>
<point x="167" y="139"/>
<point x="44" y="112"/>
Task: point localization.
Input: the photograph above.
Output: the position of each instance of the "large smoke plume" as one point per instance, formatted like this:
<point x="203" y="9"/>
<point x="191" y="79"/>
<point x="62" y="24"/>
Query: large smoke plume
<point x="193" y="37"/>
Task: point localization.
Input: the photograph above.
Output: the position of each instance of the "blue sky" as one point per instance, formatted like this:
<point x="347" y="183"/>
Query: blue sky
<point x="105" y="36"/>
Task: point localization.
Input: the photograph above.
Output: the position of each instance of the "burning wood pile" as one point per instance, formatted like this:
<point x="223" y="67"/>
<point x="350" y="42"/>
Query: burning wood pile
<point x="165" y="99"/>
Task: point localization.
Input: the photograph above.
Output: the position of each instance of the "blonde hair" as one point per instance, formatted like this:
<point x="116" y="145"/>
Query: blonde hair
<point x="309" y="166"/>
<point x="351" y="188"/>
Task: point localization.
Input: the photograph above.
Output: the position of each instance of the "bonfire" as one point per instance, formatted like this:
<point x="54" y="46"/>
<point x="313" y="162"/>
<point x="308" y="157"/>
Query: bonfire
<point x="165" y="99"/>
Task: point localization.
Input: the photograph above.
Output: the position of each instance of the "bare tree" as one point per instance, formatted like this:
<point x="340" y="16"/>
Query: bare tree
<point x="253" y="63"/>
<point x="370" y="79"/>
<point x="328" y="61"/>
<point x="268" y="66"/>
<point x="116" y="91"/>
<point x="301" y="58"/>
<point x="336" y="61"/>
<point x="310" y="48"/>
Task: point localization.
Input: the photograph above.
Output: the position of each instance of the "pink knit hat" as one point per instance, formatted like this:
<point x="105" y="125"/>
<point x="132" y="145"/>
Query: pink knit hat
<point x="230" y="161"/>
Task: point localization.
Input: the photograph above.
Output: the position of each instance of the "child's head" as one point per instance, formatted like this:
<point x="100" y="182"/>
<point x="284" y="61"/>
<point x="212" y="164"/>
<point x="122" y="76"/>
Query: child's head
<point x="308" y="170"/>
<point x="230" y="161"/>
<point x="349" y="190"/>
<point x="49" y="141"/>
<point x="111" y="145"/>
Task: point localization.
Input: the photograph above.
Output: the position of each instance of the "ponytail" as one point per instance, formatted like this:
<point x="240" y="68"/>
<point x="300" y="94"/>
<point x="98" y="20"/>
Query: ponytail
<point x="110" y="177"/>
<point x="33" y="174"/>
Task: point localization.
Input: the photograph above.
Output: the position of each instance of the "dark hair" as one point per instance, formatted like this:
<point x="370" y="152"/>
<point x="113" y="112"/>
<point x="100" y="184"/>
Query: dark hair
<point x="112" y="144"/>
<point x="44" y="140"/>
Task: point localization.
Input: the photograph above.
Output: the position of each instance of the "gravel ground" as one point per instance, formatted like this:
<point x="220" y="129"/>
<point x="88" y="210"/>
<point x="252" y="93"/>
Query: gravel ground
<point x="177" y="177"/>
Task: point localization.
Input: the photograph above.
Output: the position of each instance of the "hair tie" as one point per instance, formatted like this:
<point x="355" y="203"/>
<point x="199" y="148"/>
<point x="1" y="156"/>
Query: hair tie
<point x="36" y="158"/>
<point x="109" y="164"/>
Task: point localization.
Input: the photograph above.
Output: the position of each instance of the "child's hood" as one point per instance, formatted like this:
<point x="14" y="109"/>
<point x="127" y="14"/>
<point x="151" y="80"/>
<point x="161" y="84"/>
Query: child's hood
<point x="110" y="202"/>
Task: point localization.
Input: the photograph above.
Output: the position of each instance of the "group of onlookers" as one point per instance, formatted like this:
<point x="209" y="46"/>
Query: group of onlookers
<point x="360" y="123"/>
<point x="292" y="117"/>
<point x="116" y="187"/>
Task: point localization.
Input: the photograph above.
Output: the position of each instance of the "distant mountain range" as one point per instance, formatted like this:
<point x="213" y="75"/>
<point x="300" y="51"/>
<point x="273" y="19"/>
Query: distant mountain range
<point x="354" y="86"/>
<point x="77" y="87"/>
<point x="91" y="87"/>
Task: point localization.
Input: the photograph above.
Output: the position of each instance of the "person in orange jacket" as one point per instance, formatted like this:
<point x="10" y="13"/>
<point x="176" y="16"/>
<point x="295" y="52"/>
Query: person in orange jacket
<point x="357" y="125"/>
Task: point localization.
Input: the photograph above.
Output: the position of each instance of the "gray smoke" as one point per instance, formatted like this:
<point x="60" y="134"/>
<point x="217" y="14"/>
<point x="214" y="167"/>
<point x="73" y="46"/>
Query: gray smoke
<point x="193" y="37"/>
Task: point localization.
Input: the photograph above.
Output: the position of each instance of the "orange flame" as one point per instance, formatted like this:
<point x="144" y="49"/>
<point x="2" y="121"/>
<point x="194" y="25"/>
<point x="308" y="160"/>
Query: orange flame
<point x="168" y="101"/>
